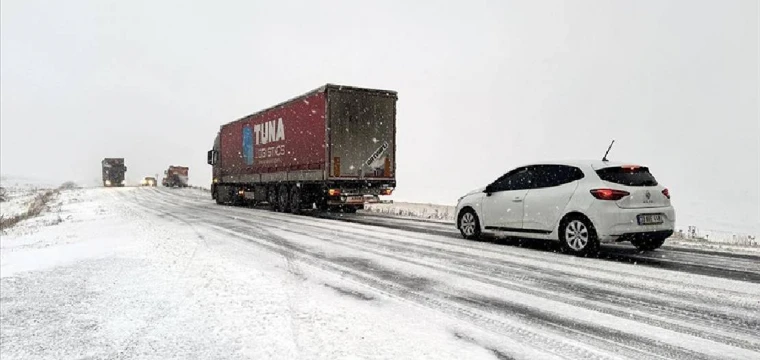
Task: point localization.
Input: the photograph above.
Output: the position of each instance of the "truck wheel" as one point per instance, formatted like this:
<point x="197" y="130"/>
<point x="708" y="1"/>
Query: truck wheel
<point x="295" y="200"/>
<point x="350" y="209"/>
<point x="322" y="205"/>
<point x="217" y="197"/>
<point x="283" y="203"/>
<point x="272" y="197"/>
<point x="222" y="195"/>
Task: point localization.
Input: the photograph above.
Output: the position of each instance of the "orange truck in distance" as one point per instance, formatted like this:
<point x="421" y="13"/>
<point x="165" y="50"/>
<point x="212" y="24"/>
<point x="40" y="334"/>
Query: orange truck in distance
<point x="175" y="176"/>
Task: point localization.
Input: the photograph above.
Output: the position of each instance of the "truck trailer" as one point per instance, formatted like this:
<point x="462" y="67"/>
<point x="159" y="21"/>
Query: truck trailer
<point x="113" y="172"/>
<point x="175" y="176"/>
<point x="330" y="148"/>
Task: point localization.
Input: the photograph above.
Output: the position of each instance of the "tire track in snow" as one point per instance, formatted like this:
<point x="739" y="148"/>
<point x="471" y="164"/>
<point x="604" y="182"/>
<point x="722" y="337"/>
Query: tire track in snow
<point x="622" y="304"/>
<point x="591" y="292"/>
<point x="741" y="267"/>
<point x="247" y="229"/>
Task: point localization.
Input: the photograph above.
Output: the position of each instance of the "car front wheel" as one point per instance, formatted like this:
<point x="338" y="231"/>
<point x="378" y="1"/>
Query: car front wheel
<point x="578" y="237"/>
<point x="469" y="225"/>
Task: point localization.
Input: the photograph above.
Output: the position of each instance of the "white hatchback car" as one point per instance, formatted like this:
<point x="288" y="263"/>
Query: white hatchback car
<point x="580" y="203"/>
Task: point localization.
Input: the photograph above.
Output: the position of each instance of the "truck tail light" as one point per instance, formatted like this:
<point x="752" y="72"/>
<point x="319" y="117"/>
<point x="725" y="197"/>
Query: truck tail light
<point x="387" y="168"/>
<point x="241" y="192"/>
<point x="666" y="193"/>
<point x="387" y="192"/>
<point x="609" y="194"/>
<point x="333" y="192"/>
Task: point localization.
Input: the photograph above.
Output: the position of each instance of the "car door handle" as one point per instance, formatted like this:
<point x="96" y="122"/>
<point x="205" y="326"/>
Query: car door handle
<point x="517" y="200"/>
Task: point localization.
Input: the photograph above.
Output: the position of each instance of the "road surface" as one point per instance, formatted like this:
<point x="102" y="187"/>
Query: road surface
<point x="493" y="299"/>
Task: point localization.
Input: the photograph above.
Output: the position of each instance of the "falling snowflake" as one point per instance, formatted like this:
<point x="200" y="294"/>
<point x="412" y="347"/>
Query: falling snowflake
<point x="375" y="140"/>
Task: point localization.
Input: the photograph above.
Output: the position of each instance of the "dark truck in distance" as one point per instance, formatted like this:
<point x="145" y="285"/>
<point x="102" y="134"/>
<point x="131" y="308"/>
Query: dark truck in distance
<point x="330" y="148"/>
<point x="175" y="176"/>
<point x="113" y="172"/>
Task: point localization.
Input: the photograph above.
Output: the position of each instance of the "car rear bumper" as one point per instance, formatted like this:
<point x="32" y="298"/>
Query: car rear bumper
<point x="615" y="224"/>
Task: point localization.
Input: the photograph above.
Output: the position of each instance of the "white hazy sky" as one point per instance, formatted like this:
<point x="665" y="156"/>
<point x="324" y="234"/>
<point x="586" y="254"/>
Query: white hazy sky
<point x="483" y="86"/>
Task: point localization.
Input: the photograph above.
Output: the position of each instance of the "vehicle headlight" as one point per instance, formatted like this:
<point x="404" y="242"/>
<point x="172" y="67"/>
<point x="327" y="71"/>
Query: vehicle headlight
<point x="108" y="182"/>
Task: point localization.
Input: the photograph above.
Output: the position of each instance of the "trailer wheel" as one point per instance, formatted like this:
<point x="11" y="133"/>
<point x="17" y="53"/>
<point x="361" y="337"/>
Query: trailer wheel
<point x="350" y="209"/>
<point x="222" y="195"/>
<point x="217" y="197"/>
<point x="283" y="203"/>
<point x="272" y="197"/>
<point x="295" y="200"/>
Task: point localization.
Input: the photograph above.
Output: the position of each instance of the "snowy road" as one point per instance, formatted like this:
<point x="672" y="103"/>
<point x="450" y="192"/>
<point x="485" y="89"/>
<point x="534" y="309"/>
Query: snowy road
<point x="186" y="278"/>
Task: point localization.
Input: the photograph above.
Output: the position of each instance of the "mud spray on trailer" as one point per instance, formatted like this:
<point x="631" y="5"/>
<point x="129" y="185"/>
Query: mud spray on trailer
<point x="332" y="148"/>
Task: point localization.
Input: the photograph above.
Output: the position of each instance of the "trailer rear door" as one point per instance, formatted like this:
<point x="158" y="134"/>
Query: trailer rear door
<point x="361" y="133"/>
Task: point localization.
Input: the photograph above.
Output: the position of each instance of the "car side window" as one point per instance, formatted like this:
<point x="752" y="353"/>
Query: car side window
<point x="556" y="175"/>
<point x="518" y="179"/>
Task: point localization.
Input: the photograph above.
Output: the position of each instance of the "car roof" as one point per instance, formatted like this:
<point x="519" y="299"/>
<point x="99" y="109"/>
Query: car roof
<point x="596" y="164"/>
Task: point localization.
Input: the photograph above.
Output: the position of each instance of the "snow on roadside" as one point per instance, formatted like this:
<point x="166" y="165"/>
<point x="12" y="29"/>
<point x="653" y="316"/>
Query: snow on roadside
<point x="18" y="199"/>
<point x="442" y="213"/>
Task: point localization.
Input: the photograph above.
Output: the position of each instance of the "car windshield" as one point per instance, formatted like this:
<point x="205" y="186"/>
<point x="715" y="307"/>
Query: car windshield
<point x="629" y="176"/>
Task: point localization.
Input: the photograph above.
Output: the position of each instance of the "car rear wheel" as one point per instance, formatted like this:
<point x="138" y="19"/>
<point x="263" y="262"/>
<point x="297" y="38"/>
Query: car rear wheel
<point x="577" y="236"/>
<point x="648" y="244"/>
<point x="469" y="225"/>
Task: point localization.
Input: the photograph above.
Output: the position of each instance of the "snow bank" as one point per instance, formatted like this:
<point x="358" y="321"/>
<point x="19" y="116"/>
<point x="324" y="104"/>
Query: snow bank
<point x="411" y="210"/>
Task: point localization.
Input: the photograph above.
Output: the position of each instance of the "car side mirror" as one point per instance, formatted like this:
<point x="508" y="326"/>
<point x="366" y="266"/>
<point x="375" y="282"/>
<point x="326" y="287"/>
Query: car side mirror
<point x="488" y="190"/>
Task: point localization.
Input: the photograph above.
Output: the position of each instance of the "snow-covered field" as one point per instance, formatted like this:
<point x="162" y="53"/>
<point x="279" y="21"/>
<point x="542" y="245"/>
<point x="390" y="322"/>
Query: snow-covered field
<point x="19" y="193"/>
<point x="153" y="273"/>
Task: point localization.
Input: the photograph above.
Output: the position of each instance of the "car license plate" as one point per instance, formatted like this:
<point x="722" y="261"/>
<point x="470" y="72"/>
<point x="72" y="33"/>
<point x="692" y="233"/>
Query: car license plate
<point x="650" y="219"/>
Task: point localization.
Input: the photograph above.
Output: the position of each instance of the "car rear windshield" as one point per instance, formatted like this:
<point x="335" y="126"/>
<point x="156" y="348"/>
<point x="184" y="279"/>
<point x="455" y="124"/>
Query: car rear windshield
<point x="629" y="176"/>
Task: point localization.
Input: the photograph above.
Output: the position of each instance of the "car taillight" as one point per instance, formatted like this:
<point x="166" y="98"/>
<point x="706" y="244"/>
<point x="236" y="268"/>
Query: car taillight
<point x="609" y="194"/>
<point x="333" y="192"/>
<point x="387" y="191"/>
<point x="666" y="193"/>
